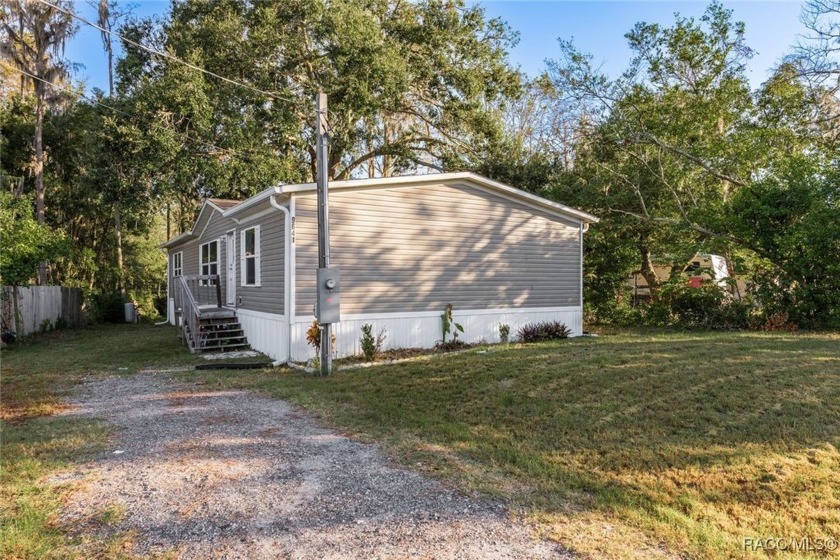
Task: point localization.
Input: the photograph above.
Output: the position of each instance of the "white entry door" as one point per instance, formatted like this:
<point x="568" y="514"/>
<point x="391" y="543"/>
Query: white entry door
<point x="230" y="251"/>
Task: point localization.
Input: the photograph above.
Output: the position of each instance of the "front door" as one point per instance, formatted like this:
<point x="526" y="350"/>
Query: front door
<point x="230" y="250"/>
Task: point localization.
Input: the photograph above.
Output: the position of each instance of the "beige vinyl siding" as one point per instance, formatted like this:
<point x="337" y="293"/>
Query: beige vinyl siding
<point x="268" y="297"/>
<point x="408" y="249"/>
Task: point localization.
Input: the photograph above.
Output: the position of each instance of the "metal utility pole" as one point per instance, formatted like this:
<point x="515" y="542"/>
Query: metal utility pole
<point x="326" y="309"/>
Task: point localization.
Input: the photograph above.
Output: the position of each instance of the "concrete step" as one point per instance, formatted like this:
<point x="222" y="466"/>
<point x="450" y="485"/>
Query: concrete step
<point x="225" y="347"/>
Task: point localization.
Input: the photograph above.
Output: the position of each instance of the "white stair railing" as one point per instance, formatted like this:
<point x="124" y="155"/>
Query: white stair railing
<point x="193" y="292"/>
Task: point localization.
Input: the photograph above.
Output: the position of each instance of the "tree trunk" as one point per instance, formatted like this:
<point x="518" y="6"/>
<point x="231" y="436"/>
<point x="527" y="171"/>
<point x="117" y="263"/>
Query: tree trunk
<point x="118" y="235"/>
<point x="39" y="159"/>
<point x="39" y="171"/>
<point x="647" y="270"/>
<point x="110" y="70"/>
<point x="386" y="158"/>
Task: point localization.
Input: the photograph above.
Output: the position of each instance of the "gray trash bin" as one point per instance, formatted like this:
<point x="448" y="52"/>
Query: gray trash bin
<point x="130" y="313"/>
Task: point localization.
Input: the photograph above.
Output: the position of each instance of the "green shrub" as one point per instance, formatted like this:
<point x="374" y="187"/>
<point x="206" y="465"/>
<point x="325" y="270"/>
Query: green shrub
<point x="539" y="332"/>
<point x="447" y="324"/>
<point x="107" y="307"/>
<point x="504" y="333"/>
<point x="371" y="345"/>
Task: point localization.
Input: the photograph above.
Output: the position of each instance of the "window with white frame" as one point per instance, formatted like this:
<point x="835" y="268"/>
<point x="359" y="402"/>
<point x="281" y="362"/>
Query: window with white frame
<point x="177" y="264"/>
<point x="210" y="258"/>
<point x="250" y="256"/>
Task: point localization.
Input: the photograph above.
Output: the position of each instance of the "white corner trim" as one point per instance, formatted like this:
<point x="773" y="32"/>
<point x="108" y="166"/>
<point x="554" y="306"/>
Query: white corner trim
<point x="291" y="266"/>
<point x="582" y="229"/>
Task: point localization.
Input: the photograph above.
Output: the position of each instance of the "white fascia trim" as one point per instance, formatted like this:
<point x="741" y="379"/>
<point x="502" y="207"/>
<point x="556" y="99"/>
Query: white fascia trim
<point x="248" y="203"/>
<point x="252" y="217"/>
<point x="207" y="223"/>
<point x="180" y="238"/>
<point x="456" y="313"/>
<point x="260" y="314"/>
<point x="538" y="200"/>
<point x="512" y="192"/>
<point x="209" y="202"/>
<point x="177" y="240"/>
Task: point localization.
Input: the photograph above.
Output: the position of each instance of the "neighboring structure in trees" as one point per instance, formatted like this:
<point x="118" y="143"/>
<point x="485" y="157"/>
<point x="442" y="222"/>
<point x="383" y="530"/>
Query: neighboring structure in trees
<point x="701" y="267"/>
<point x="406" y="247"/>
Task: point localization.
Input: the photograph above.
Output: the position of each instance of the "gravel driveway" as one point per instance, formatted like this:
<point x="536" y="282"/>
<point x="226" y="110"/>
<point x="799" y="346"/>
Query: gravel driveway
<point x="228" y="474"/>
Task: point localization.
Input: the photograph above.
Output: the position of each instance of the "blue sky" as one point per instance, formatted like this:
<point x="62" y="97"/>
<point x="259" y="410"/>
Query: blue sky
<point x="598" y="27"/>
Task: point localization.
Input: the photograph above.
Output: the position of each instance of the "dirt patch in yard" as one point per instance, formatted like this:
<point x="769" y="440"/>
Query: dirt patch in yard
<point x="228" y="474"/>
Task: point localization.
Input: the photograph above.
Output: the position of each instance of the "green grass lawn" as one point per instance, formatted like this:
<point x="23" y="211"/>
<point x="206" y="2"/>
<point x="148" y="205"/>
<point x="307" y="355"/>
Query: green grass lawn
<point x="622" y="446"/>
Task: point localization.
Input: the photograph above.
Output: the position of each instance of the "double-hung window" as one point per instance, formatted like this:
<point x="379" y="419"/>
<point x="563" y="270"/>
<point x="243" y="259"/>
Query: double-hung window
<point x="210" y="258"/>
<point x="249" y="264"/>
<point x="177" y="264"/>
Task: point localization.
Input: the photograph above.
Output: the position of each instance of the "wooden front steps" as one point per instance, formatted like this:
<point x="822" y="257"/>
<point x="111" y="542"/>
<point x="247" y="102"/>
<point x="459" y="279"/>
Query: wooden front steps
<point x="218" y="331"/>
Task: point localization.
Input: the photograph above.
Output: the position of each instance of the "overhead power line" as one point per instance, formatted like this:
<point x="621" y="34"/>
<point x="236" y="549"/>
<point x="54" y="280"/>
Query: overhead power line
<point x="166" y="55"/>
<point x="64" y="89"/>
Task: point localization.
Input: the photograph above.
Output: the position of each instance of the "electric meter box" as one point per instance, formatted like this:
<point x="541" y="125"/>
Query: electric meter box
<point x="328" y="300"/>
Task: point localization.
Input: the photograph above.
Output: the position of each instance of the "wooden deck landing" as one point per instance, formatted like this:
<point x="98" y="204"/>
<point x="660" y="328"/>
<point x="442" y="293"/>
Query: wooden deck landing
<point x="216" y="313"/>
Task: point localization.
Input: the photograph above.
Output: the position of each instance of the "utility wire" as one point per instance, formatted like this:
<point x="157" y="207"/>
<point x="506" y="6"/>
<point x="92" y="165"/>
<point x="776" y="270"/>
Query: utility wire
<point x="166" y="55"/>
<point x="129" y="115"/>
<point x="66" y="90"/>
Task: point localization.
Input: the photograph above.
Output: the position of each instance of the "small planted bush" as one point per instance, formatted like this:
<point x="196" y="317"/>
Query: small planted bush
<point x="449" y="326"/>
<point x="539" y="332"/>
<point x="313" y="336"/>
<point x="504" y="333"/>
<point x="371" y="345"/>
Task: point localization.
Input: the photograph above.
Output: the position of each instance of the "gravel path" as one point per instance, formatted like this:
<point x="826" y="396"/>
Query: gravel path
<point x="228" y="474"/>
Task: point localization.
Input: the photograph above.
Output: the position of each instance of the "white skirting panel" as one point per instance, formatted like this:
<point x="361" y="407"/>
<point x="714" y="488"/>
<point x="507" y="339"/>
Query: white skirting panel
<point x="423" y="330"/>
<point x="266" y="332"/>
<point x="170" y="311"/>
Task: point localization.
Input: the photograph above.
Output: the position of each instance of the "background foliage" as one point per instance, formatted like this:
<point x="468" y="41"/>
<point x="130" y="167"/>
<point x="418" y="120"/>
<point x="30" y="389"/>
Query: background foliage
<point x="678" y="155"/>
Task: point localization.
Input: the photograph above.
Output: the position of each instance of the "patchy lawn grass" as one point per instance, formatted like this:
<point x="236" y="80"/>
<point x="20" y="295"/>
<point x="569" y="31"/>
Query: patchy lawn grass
<point x="36" y="375"/>
<point x="632" y="445"/>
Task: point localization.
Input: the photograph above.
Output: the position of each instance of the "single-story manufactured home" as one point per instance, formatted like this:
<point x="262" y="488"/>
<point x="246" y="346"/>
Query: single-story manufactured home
<point x="405" y="246"/>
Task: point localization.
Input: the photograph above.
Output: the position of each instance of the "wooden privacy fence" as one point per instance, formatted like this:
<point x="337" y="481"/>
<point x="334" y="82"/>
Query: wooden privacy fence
<point x="38" y="303"/>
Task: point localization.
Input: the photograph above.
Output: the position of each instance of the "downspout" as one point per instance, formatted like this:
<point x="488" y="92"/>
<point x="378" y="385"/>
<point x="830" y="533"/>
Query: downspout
<point x="287" y="283"/>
